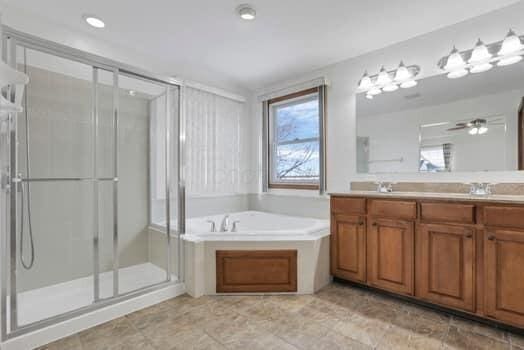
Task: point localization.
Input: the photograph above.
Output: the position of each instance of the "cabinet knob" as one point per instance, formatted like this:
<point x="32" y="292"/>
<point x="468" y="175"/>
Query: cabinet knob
<point x="469" y="235"/>
<point x="374" y="224"/>
<point x="491" y="237"/>
<point x="360" y="223"/>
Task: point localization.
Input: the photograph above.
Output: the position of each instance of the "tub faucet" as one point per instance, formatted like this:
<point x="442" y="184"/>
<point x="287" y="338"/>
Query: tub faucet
<point x="213" y="225"/>
<point x="234" y="228"/>
<point x="224" y="225"/>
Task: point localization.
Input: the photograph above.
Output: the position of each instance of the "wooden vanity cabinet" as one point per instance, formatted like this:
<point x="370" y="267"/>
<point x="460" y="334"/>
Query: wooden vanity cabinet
<point x="467" y="256"/>
<point x="348" y="253"/>
<point x="348" y="239"/>
<point x="446" y="265"/>
<point x="390" y="247"/>
<point x="504" y="275"/>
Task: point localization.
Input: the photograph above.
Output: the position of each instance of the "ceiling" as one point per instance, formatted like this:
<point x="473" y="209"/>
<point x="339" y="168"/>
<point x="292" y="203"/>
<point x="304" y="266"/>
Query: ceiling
<point x="288" y="37"/>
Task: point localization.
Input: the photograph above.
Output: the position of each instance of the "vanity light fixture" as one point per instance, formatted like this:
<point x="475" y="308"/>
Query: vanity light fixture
<point x="483" y="56"/>
<point x="402" y="74"/>
<point x="388" y="81"/>
<point x="365" y="83"/>
<point x="509" y="50"/>
<point x="409" y="84"/>
<point x="383" y="78"/>
<point x="480" y="57"/>
<point x="374" y="91"/>
<point x="390" y="87"/>
<point x="455" y="64"/>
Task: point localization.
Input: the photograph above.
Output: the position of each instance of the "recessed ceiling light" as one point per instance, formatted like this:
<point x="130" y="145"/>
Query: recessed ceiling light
<point x="94" y="21"/>
<point x="246" y="12"/>
<point x="132" y="93"/>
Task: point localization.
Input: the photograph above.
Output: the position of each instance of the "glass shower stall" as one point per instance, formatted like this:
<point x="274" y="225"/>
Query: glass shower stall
<point x="91" y="161"/>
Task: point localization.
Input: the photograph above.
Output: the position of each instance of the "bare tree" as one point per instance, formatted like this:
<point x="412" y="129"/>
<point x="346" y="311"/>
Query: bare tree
<point x="292" y="162"/>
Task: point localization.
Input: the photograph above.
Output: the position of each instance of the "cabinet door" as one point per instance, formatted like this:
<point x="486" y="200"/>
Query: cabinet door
<point x="446" y="265"/>
<point x="391" y="255"/>
<point x="348" y="247"/>
<point x="504" y="275"/>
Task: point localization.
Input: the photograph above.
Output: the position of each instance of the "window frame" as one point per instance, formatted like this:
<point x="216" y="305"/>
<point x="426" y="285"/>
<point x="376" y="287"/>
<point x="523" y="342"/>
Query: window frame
<point x="283" y="100"/>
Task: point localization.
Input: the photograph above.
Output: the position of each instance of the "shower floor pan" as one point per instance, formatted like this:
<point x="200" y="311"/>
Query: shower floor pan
<point x="38" y="304"/>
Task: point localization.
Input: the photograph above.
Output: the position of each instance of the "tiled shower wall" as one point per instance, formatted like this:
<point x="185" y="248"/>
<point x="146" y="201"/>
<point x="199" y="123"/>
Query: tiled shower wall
<point x="60" y="127"/>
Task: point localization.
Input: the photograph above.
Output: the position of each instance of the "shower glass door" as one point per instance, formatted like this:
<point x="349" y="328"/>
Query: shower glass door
<point x="92" y="164"/>
<point x="55" y="199"/>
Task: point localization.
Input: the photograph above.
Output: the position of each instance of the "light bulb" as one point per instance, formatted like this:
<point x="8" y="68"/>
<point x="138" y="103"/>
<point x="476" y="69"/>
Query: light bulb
<point x="506" y="61"/>
<point x="383" y="78"/>
<point x="482" y="67"/>
<point x="459" y="73"/>
<point x="511" y="44"/>
<point x="473" y="131"/>
<point x="402" y="73"/>
<point x="480" y="53"/>
<point x="455" y="60"/>
<point x="246" y="12"/>
<point x="374" y="91"/>
<point x="482" y="130"/>
<point x="365" y="83"/>
<point x="408" y="84"/>
<point x="390" y="87"/>
<point x="94" y="21"/>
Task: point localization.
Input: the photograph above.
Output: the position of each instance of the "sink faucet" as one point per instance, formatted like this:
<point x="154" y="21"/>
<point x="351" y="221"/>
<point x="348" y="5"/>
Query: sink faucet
<point x="224" y="225"/>
<point x="480" y="189"/>
<point x="384" y="187"/>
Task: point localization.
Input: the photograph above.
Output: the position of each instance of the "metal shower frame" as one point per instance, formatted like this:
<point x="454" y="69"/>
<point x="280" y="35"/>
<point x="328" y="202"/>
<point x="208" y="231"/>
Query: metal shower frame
<point x="12" y="38"/>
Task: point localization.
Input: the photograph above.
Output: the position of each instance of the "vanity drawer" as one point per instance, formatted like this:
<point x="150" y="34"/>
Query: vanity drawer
<point x="504" y="216"/>
<point x="348" y="205"/>
<point x="393" y="209"/>
<point x="447" y="212"/>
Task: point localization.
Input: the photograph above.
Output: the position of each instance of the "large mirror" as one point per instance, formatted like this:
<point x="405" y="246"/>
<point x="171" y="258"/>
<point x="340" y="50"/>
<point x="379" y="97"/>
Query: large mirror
<point x="444" y="125"/>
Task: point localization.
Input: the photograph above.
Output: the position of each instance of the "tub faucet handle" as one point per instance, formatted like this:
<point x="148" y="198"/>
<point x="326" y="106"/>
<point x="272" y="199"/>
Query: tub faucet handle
<point x="224" y="226"/>
<point x="213" y="225"/>
<point x="234" y="227"/>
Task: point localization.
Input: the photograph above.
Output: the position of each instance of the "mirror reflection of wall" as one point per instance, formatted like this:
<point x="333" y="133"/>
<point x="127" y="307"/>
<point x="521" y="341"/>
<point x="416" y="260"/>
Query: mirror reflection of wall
<point x="443" y="125"/>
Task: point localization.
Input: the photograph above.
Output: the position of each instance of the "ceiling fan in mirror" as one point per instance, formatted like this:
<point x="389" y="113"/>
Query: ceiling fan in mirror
<point x="478" y="126"/>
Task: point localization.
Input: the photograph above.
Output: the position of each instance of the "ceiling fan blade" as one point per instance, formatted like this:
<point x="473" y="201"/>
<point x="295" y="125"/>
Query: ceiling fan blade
<point x="458" y="128"/>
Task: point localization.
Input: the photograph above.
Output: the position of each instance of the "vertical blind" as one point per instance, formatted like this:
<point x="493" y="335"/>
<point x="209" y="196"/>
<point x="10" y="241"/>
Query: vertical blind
<point x="217" y="144"/>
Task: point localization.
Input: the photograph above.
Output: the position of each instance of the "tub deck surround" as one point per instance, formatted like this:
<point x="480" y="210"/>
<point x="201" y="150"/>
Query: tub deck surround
<point x="460" y="252"/>
<point x="288" y="254"/>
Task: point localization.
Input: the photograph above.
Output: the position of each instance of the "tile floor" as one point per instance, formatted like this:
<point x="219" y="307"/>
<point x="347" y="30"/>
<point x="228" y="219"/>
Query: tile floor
<point x="338" y="317"/>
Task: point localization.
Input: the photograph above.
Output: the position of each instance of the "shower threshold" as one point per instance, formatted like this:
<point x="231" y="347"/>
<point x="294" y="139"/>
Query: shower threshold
<point x="38" y="304"/>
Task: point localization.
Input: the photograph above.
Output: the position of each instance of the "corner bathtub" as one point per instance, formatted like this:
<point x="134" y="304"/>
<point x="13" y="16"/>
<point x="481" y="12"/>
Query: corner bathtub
<point x="269" y="253"/>
<point x="256" y="226"/>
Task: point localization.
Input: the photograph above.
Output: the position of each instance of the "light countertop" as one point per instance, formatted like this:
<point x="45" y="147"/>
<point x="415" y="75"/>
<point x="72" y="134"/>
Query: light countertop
<point x="429" y="195"/>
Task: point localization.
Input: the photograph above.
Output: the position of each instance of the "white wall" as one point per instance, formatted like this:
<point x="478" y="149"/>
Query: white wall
<point x="343" y="77"/>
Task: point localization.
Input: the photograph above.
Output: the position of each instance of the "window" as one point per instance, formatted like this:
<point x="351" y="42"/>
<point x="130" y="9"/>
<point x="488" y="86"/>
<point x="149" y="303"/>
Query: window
<point x="294" y="140"/>
<point x="435" y="158"/>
